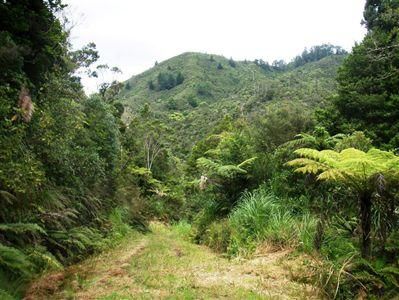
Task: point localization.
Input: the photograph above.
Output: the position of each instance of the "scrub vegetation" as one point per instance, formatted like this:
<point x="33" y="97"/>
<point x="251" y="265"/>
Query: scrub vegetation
<point x="203" y="177"/>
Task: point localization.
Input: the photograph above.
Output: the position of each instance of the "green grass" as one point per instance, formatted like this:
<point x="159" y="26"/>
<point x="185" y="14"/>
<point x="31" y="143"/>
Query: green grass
<point x="164" y="265"/>
<point x="261" y="217"/>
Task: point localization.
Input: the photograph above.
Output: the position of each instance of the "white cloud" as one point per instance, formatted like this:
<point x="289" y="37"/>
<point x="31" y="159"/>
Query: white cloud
<point x="134" y="34"/>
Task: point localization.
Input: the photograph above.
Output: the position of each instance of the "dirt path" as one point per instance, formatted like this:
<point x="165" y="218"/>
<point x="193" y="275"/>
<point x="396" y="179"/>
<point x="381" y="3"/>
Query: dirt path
<point x="162" y="265"/>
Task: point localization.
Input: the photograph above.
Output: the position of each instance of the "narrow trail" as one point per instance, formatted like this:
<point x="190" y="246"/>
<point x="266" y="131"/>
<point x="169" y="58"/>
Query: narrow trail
<point x="162" y="265"/>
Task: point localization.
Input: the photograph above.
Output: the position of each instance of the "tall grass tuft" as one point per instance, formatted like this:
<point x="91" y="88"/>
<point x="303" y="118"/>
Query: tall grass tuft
<point x="182" y="229"/>
<point x="261" y="217"/>
<point x="119" y="224"/>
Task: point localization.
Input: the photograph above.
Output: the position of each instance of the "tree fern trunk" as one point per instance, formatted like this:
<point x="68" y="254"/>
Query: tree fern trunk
<point x="365" y="215"/>
<point x="319" y="236"/>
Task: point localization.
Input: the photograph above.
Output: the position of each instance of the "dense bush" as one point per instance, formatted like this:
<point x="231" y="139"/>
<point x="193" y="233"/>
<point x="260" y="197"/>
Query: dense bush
<point x="218" y="236"/>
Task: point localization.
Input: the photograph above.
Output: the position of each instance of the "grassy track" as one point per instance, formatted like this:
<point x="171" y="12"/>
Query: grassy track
<point x="163" y="265"/>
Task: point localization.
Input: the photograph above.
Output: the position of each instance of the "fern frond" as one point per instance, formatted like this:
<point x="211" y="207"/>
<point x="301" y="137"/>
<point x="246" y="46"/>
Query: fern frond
<point x="329" y="156"/>
<point x="5" y="296"/>
<point x="301" y="140"/>
<point x="350" y="165"/>
<point x="7" y="197"/>
<point x="308" y="153"/>
<point x="43" y="259"/>
<point x="301" y="162"/>
<point x="208" y="164"/>
<point x="307" y="165"/>
<point x="230" y="171"/>
<point x="15" y="261"/>
<point x="247" y="162"/>
<point x="19" y="228"/>
<point x="332" y="175"/>
<point x="215" y="153"/>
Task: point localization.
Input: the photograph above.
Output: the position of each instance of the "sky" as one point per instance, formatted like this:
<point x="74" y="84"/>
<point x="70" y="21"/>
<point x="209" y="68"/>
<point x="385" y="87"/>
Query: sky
<point x="133" y="34"/>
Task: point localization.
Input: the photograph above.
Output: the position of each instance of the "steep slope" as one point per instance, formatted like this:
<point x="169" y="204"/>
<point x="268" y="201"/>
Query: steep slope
<point x="214" y="86"/>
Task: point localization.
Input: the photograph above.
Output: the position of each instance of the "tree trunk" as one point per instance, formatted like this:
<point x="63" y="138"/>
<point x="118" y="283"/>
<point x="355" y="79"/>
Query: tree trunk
<point x="365" y="215"/>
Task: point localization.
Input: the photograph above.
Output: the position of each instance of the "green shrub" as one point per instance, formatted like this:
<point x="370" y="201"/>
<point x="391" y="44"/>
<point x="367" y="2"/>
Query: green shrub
<point x="343" y="274"/>
<point x="137" y="207"/>
<point x="119" y="223"/>
<point x="353" y="277"/>
<point x="218" y="236"/>
<point x="202" y="220"/>
<point x="336" y="246"/>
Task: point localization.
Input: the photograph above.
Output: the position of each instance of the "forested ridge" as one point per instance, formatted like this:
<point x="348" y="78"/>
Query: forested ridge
<point x="207" y="93"/>
<point x="239" y="156"/>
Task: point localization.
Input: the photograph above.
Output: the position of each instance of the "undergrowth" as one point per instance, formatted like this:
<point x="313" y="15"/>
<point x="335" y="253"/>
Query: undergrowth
<point x="20" y="265"/>
<point x="337" y="268"/>
<point x="259" y="217"/>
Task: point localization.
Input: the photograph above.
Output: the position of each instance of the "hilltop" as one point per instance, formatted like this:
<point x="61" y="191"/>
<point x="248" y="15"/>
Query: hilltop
<point x="192" y="91"/>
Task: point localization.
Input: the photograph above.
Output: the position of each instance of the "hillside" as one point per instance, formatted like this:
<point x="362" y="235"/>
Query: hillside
<point x="214" y="86"/>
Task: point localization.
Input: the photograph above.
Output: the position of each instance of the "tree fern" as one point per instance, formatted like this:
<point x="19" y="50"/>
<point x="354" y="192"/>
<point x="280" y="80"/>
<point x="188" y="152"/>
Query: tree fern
<point x="212" y="168"/>
<point x="319" y="139"/>
<point x="360" y="171"/>
<point x="351" y="164"/>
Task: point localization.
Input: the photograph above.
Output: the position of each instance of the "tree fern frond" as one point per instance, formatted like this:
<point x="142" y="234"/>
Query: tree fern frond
<point x="312" y="169"/>
<point x="329" y="156"/>
<point x="8" y="197"/>
<point x="301" y="140"/>
<point x="351" y="153"/>
<point x="349" y="164"/>
<point x="208" y="164"/>
<point x="314" y="166"/>
<point x="338" y="136"/>
<point x="230" y="171"/>
<point x="362" y="167"/>
<point x="381" y="155"/>
<point x="331" y="175"/>
<point x="247" y="162"/>
<point x="213" y="153"/>
<point x="308" y="153"/>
